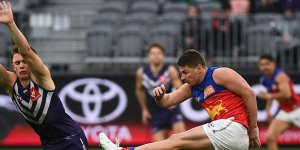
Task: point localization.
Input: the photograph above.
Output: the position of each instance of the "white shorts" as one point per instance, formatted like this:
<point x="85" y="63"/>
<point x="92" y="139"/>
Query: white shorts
<point x="225" y="134"/>
<point x="292" y="117"/>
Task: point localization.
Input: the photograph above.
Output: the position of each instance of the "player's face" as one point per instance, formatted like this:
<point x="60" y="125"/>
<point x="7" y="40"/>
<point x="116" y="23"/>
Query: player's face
<point x="156" y="56"/>
<point x="191" y="75"/>
<point x="267" y="67"/>
<point x="192" y="11"/>
<point x="20" y="67"/>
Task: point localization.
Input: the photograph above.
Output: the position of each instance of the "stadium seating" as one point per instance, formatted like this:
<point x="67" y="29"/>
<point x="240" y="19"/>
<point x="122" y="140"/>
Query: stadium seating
<point x="144" y="6"/>
<point x="5" y="43"/>
<point x="166" y="33"/>
<point x="209" y="7"/>
<point x="259" y="40"/>
<point x="175" y="7"/>
<point x="114" y="17"/>
<point x="117" y="29"/>
<point x="117" y="6"/>
<point x="99" y="40"/>
<point x="266" y="17"/>
<point x="130" y="40"/>
<point x="140" y="18"/>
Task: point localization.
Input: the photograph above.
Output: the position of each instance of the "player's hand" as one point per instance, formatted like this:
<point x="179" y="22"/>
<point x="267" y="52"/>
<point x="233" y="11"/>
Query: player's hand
<point x="159" y="92"/>
<point x="146" y="116"/>
<point x="6" y="15"/>
<point x="254" y="137"/>
<point x="265" y="96"/>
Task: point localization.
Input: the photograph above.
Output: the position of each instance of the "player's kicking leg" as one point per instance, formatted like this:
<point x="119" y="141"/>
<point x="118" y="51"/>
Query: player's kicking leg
<point x="192" y="139"/>
<point x="276" y="128"/>
<point x="195" y="138"/>
<point x="219" y="135"/>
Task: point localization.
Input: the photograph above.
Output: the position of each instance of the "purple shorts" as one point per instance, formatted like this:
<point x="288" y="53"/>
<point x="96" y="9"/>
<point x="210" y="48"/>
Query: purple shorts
<point x="165" y="119"/>
<point x="76" y="142"/>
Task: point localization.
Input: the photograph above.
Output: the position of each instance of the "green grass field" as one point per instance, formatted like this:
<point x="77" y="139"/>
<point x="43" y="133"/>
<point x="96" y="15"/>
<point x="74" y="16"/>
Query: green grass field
<point x="281" y="148"/>
<point x="94" y="148"/>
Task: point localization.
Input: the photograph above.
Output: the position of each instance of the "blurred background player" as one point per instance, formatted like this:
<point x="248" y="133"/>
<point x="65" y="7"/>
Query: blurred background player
<point x="191" y="28"/>
<point x="33" y="92"/>
<point x="149" y="77"/>
<point x="280" y="87"/>
<point x="223" y="93"/>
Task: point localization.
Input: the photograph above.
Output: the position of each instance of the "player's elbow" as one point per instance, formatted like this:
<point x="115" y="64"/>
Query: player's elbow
<point x="24" y="50"/>
<point x="249" y="94"/>
<point x="252" y="93"/>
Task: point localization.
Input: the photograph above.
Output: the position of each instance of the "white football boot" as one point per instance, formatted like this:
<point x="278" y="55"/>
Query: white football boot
<point x="106" y="144"/>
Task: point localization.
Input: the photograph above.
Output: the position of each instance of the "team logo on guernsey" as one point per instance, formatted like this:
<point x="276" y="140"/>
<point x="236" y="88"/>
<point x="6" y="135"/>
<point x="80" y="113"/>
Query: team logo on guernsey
<point x="209" y="90"/>
<point x="34" y="94"/>
<point x="93" y="100"/>
<point x="274" y="87"/>
<point x="214" y="109"/>
<point x="35" y="108"/>
<point x="162" y="79"/>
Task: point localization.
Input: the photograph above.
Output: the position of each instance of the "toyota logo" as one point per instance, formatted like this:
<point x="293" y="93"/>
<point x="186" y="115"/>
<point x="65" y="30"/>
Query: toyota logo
<point x="88" y="96"/>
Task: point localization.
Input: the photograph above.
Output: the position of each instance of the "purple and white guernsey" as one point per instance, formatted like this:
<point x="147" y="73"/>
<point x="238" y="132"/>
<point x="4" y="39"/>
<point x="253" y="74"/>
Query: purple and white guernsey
<point x="43" y="110"/>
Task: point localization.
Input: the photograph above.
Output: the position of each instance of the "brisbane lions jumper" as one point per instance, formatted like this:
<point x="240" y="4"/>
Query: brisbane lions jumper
<point x="219" y="102"/>
<point x="271" y="85"/>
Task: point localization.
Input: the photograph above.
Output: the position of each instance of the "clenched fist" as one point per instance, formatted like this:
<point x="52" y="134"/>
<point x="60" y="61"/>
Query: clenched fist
<point x="159" y="92"/>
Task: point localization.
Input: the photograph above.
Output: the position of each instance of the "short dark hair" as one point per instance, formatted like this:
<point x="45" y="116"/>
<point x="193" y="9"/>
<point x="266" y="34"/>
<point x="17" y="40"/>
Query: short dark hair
<point x="15" y="50"/>
<point x="157" y="46"/>
<point x="191" y="58"/>
<point x="267" y="56"/>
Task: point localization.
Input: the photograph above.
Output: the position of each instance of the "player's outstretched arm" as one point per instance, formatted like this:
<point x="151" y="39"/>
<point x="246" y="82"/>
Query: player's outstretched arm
<point x="168" y="100"/>
<point x="238" y="85"/>
<point x="40" y="72"/>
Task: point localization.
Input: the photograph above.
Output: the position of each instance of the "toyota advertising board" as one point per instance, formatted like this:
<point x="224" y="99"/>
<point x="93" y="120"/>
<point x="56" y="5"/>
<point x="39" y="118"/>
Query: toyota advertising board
<point x="108" y="104"/>
<point x="95" y="92"/>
